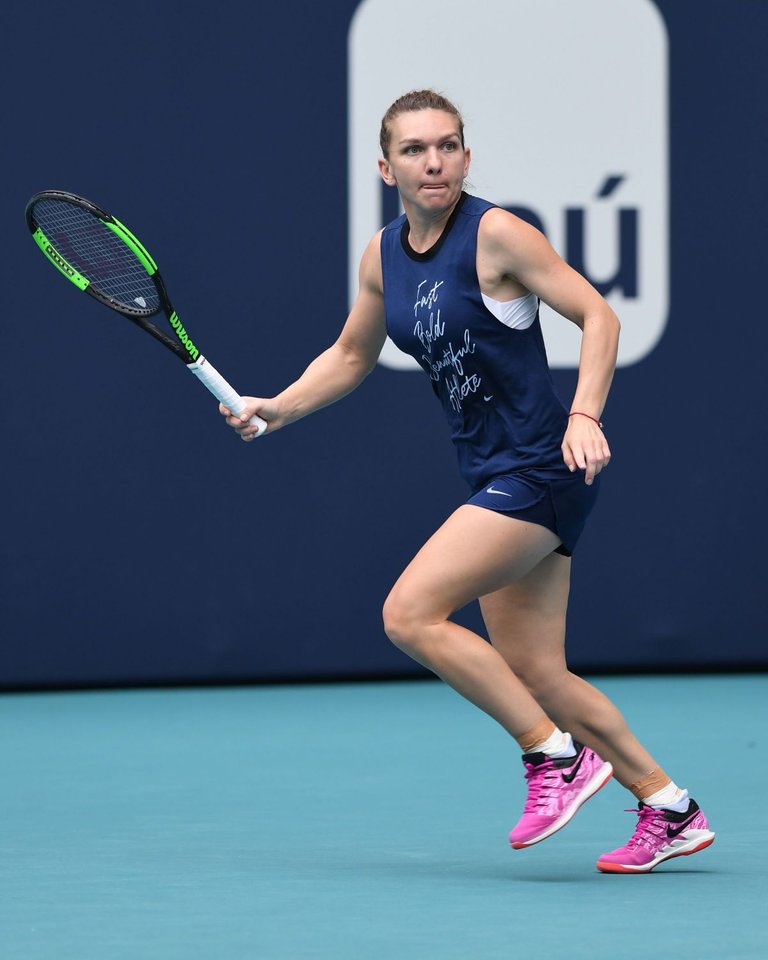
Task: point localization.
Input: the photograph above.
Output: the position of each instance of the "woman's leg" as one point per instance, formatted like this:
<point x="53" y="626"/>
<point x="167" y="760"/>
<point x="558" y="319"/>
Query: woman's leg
<point x="526" y="624"/>
<point x="475" y="552"/>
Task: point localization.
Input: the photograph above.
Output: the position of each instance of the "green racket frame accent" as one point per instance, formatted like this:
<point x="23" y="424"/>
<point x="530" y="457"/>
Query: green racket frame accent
<point x="137" y="248"/>
<point x="58" y="261"/>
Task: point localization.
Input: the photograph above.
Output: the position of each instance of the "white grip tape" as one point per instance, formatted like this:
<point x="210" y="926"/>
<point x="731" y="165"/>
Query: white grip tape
<point x="210" y="377"/>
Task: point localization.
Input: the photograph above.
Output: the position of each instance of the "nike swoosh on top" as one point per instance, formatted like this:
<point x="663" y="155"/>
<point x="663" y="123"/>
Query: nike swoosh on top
<point x="568" y="777"/>
<point x="674" y="831"/>
<point x="500" y="492"/>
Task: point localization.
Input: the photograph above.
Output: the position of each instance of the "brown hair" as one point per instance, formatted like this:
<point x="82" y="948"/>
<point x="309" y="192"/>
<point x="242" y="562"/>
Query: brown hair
<point x="416" y="100"/>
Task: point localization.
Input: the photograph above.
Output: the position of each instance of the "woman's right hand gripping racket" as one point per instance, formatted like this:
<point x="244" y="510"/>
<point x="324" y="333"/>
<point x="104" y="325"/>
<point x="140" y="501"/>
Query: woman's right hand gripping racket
<point x="102" y="257"/>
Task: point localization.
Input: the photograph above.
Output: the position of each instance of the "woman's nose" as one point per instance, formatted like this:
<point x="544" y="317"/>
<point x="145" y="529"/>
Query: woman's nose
<point x="434" y="160"/>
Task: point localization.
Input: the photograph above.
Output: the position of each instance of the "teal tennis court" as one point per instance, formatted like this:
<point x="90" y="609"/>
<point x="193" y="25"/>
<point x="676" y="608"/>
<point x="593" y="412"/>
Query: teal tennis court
<point x="359" y="821"/>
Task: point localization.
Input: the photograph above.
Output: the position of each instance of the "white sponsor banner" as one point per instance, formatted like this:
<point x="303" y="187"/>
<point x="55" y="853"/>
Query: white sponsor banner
<point x="565" y="108"/>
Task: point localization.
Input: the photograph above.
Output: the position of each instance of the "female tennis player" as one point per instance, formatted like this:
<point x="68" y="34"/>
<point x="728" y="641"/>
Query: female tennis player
<point x="456" y="282"/>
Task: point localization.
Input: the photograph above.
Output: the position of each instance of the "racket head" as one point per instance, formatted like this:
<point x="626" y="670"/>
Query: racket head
<point x="96" y="252"/>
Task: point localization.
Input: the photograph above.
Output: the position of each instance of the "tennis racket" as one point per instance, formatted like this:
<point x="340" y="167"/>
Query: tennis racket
<point x="102" y="257"/>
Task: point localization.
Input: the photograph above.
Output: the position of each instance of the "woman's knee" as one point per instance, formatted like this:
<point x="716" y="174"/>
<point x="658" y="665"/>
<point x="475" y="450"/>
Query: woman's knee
<point x="396" y="619"/>
<point x="544" y="678"/>
<point x="403" y="621"/>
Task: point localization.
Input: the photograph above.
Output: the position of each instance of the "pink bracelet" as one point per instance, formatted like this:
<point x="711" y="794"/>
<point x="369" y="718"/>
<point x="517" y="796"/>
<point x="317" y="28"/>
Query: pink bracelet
<point x="577" y="413"/>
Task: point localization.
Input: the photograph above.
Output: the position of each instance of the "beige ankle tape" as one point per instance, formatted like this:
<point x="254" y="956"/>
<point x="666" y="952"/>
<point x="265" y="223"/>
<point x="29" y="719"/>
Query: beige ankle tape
<point x="540" y="732"/>
<point x="650" y="783"/>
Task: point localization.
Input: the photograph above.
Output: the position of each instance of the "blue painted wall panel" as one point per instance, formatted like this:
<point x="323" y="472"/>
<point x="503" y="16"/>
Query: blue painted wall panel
<point x="143" y="543"/>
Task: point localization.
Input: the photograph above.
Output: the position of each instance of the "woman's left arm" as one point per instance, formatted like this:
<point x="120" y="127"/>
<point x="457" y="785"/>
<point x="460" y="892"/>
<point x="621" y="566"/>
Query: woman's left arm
<point x="513" y="250"/>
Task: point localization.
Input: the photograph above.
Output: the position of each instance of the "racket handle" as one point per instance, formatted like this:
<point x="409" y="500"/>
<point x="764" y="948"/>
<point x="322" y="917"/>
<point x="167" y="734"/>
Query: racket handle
<point x="210" y="377"/>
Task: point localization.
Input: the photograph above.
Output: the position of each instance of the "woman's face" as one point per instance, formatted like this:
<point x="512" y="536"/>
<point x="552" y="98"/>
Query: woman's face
<point x="426" y="161"/>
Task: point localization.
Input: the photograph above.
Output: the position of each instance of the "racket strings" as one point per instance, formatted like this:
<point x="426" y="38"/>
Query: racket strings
<point x="97" y="253"/>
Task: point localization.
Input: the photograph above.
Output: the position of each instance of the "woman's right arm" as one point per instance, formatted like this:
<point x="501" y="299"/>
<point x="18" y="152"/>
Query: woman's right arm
<point x="339" y="369"/>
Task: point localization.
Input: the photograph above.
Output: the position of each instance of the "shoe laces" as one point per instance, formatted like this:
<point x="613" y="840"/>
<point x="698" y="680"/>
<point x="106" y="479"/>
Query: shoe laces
<point x="650" y="827"/>
<point x="542" y="779"/>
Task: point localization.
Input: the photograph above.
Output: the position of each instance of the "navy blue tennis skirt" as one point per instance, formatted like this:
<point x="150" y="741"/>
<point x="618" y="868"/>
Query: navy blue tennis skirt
<point x="561" y="505"/>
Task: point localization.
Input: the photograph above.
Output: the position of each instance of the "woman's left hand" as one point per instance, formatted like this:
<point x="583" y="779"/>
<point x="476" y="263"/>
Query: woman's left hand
<point x="585" y="447"/>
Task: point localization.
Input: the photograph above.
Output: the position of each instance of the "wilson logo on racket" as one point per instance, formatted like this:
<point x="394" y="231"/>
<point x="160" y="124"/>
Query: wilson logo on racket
<point x="181" y="333"/>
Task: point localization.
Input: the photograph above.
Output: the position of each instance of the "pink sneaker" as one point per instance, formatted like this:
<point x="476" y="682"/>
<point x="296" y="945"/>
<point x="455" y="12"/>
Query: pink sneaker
<point x="659" y="835"/>
<point x="556" y="790"/>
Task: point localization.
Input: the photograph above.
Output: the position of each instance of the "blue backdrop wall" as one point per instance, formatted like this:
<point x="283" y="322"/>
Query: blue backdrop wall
<point x="142" y="542"/>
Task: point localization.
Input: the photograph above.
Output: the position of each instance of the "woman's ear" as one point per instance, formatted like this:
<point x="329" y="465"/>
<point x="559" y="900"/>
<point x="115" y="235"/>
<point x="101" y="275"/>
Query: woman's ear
<point x="386" y="173"/>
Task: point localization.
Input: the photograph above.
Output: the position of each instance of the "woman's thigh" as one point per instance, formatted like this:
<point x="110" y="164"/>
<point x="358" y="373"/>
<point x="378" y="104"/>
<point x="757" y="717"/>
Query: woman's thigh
<point x="474" y="553"/>
<point x="526" y="619"/>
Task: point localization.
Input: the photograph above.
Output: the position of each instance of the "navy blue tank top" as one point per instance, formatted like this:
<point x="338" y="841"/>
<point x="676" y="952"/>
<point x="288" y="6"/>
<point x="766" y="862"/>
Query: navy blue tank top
<point x="494" y="382"/>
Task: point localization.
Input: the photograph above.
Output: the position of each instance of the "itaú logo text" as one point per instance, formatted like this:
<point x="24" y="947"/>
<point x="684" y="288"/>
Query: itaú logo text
<point x="622" y="239"/>
<point x="575" y="143"/>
